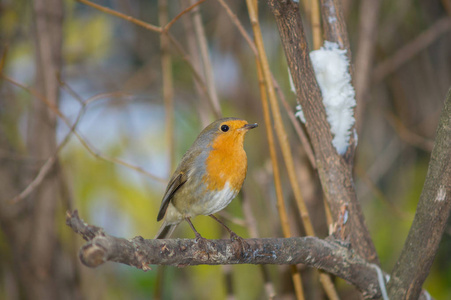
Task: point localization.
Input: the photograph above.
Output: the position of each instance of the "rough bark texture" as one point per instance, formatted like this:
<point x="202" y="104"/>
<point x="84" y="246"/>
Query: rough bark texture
<point x="334" y="25"/>
<point x="328" y="255"/>
<point x="431" y="216"/>
<point x="335" y="171"/>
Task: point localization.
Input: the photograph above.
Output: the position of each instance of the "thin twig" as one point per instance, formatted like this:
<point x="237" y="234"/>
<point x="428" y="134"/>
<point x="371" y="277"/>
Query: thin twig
<point x="3" y="59"/>
<point x="82" y="140"/>
<point x="266" y="82"/>
<point x="408" y="51"/>
<point x="325" y="279"/>
<point x="168" y="86"/>
<point x="205" y="57"/>
<point x="177" y="45"/>
<point x="203" y="105"/>
<point x="281" y="208"/>
<point x="407" y="135"/>
<point x="379" y="194"/>
<point x="196" y="74"/>
<point x="368" y="26"/>
<point x="279" y="127"/>
<point x="297" y="127"/>
<point x="44" y="170"/>
<point x="76" y="96"/>
<point x="186" y="10"/>
<point x="299" y="131"/>
<point x="123" y="16"/>
<point x="275" y="165"/>
<point x="238" y="25"/>
<point x="316" y="25"/>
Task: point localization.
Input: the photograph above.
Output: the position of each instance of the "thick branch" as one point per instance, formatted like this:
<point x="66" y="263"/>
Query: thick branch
<point x="329" y="256"/>
<point x="433" y="211"/>
<point x="334" y="25"/>
<point x="334" y="170"/>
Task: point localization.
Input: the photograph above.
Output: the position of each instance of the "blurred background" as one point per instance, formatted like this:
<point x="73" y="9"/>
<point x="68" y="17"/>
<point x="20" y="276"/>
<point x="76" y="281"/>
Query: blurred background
<point x="138" y="105"/>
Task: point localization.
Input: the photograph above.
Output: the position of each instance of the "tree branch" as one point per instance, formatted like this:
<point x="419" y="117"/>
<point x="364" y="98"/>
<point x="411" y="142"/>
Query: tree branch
<point x="327" y="255"/>
<point x="431" y="216"/>
<point x="334" y="170"/>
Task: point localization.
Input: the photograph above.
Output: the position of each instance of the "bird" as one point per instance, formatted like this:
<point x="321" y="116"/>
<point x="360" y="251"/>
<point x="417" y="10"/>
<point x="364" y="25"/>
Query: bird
<point x="208" y="177"/>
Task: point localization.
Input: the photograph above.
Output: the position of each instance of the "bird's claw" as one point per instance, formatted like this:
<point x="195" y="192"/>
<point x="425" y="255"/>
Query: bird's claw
<point x="243" y="244"/>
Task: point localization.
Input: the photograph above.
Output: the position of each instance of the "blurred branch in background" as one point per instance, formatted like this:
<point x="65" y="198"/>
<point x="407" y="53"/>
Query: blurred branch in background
<point x="206" y="62"/>
<point x="368" y="26"/>
<point x="82" y="140"/>
<point x="168" y="88"/>
<point x="37" y="266"/>
<point x="265" y="92"/>
<point x="203" y="103"/>
<point x="408" y="51"/>
<point x="407" y="135"/>
<point x="205" y="87"/>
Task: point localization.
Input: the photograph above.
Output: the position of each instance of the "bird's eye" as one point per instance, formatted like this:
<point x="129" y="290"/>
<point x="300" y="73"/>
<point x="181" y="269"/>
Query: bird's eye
<point x="224" y="128"/>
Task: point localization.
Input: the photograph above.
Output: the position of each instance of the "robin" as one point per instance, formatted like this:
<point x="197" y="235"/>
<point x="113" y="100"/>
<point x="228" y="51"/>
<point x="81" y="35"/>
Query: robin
<point x="209" y="176"/>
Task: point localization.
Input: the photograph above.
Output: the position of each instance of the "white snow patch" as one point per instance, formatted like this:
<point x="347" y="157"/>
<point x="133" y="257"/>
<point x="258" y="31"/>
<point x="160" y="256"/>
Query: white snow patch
<point x="331" y="68"/>
<point x="441" y="194"/>
<point x="332" y="20"/>
<point x="356" y="137"/>
<point x="299" y="113"/>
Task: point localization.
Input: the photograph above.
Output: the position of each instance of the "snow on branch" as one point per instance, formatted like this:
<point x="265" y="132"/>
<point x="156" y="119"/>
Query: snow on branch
<point x="331" y="67"/>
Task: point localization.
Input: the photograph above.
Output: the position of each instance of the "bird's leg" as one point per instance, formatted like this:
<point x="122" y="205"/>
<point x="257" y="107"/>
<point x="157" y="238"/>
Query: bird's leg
<point x="198" y="236"/>
<point x="200" y="240"/>
<point x="233" y="235"/>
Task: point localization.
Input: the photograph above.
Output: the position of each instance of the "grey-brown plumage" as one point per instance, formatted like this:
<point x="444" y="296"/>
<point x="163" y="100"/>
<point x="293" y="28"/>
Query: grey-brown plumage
<point x="192" y="190"/>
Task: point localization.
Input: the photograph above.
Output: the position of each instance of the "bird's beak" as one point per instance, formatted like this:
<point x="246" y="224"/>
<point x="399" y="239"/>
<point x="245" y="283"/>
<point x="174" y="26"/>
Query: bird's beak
<point x="249" y="126"/>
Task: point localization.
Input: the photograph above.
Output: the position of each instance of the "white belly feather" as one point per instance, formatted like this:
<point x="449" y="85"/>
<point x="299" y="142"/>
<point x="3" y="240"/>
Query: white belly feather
<point x="209" y="204"/>
<point x="218" y="201"/>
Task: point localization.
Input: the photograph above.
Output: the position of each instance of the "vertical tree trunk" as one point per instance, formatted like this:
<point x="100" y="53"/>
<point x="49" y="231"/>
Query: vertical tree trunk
<point x="39" y="266"/>
<point x="41" y="144"/>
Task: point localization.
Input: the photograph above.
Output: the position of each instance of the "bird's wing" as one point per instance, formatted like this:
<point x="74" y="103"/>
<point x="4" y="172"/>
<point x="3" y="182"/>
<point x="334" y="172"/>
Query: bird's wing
<point x="173" y="186"/>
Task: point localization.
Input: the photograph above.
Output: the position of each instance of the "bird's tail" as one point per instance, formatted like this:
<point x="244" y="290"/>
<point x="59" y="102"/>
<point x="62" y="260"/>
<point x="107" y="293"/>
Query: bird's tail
<point x="165" y="231"/>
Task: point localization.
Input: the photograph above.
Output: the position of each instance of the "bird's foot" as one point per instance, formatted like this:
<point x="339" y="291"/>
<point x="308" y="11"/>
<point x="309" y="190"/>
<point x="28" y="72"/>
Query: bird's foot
<point x="203" y="242"/>
<point x="206" y="246"/>
<point x="243" y="244"/>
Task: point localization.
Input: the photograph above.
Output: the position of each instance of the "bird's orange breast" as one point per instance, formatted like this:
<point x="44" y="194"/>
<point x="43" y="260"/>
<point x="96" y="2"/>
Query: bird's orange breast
<point x="226" y="162"/>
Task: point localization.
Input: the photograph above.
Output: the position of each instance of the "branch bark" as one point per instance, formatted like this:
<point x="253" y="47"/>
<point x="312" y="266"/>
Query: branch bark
<point x="431" y="216"/>
<point x="334" y="170"/>
<point x="334" y="25"/>
<point x="327" y="255"/>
